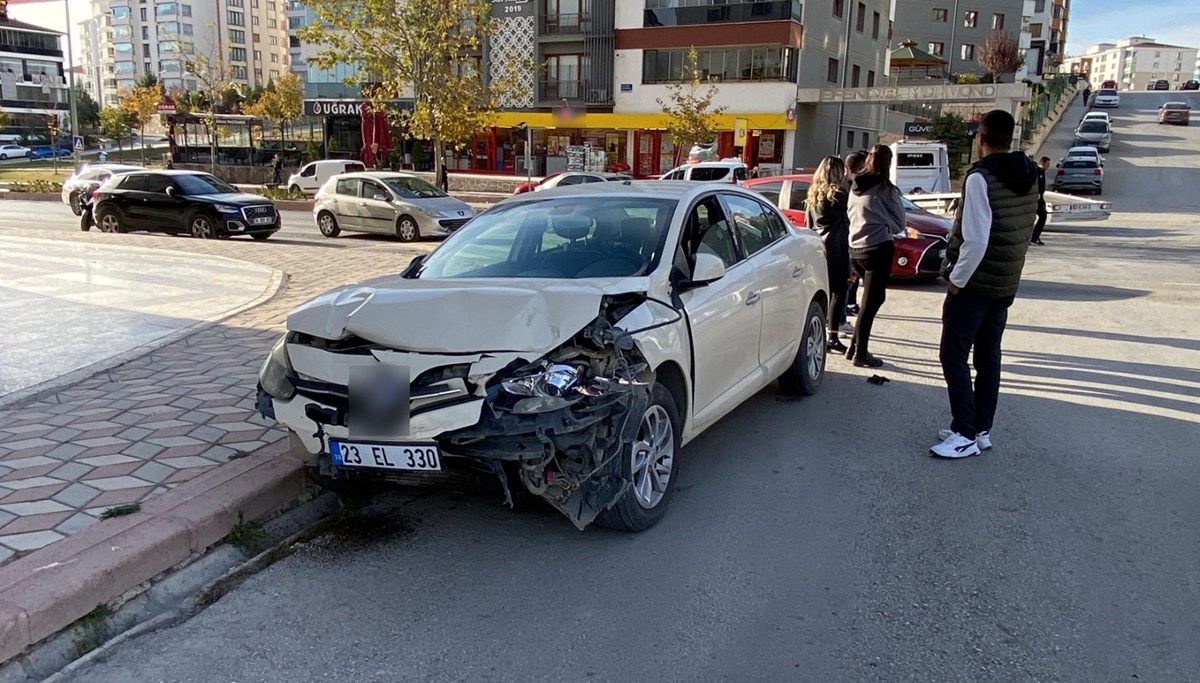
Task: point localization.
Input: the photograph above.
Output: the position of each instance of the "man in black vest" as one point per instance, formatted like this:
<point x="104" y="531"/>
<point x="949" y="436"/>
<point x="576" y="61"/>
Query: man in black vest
<point x="1043" y="166"/>
<point x="992" y="232"/>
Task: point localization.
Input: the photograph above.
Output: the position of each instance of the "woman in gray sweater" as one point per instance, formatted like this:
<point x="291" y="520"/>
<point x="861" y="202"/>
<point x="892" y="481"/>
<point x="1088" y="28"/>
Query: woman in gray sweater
<point x="876" y="216"/>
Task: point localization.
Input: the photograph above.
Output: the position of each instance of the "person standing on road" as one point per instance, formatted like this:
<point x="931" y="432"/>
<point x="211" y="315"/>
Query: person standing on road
<point x="876" y="216"/>
<point x="1087" y="96"/>
<point x="1043" y="166"/>
<point x="854" y="166"/>
<point x="825" y="212"/>
<point x="991" y="234"/>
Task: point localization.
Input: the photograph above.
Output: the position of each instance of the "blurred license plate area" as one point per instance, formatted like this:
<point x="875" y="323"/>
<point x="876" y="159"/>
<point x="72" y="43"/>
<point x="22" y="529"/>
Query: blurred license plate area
<point x="425" y="457"/>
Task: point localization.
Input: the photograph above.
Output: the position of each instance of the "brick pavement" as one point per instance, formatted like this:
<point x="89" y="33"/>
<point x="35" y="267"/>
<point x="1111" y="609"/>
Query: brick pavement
<point x="139" y="429"/>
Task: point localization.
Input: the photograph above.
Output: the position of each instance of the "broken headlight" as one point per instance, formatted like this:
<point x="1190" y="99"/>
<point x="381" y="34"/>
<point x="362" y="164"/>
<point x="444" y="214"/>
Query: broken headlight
<point x="555" y="387"/>
<point x="273" y="377"/>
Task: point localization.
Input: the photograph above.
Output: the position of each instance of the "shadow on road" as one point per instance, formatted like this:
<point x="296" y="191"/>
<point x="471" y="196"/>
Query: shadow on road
<point x="1069" y="291"/>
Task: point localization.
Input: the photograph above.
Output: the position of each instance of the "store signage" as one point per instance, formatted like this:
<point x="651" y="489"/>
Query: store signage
<point x="626" y="87"/>
<point x="914" y="129"/>
<point x="346" y="107"/>
<point x="502" y="9"/>
<point x="740" y="127"/>
<point x="916" y="93"/>
<point x="167" y="107"/>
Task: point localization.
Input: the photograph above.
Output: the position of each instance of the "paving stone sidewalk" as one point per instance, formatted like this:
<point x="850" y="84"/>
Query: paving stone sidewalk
<point x="139" y="429"/>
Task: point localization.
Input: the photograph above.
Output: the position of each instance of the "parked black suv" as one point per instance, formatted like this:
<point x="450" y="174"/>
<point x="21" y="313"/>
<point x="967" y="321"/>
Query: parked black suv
<point x="192" y="202"/>
<point x="1190" y="85"/>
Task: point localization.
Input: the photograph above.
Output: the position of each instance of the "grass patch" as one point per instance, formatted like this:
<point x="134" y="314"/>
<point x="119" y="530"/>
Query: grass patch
<point x="121" y="510"/>
<point x="26" y="175"/>
<point x="91" y="630"/>
<point x="249" y="537"/>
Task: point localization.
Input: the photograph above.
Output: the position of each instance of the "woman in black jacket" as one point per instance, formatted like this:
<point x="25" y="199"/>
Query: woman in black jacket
<point x="825" y="212"/>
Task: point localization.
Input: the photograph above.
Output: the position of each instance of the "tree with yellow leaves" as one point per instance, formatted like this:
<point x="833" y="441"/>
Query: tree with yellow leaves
<point x="141" y="104"/>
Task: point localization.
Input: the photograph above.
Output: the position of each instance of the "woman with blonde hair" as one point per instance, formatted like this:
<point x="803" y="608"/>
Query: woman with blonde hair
<point x="825" y="213"/>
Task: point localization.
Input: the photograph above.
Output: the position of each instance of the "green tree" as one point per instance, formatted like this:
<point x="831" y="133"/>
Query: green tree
<point x="4" y="120"/>
<point x="115" y="123"/>
<point x="147" y="80"/>
<point x="213" y="78"/>
<point x="141" y="104"/>
<point x="691" y="115"/>
<point x="951" y="129"/>
<point x="423" y="49"/>
<point x="87" y="108"/>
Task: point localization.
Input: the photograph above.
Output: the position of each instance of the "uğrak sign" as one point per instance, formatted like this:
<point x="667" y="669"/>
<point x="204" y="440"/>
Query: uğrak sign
<point x="911" y="93"/>
<point x="346" y="107"/>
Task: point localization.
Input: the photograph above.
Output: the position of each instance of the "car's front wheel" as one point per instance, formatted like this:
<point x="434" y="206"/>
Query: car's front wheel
<point x="327" y="224"/>
<point x="295" y="189"/>
<point x="202" y="227"/>
<point x="74" y="201"/>
<point x="3" y="157"/>
<point x="803" y="377"/>
<point x="650" y="464"/>
<point x="407" y="230"/>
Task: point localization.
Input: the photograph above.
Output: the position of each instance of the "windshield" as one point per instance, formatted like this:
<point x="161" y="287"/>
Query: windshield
<point x="203" y="184"/>
<point x="1093" y="127"/>
<point x="565" y="237"/>
<point x="413" y="188"/>
<point x="908" y="205"/>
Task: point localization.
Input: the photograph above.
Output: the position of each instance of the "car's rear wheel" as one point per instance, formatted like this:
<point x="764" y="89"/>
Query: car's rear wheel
<point x="807" y="371"/>
<point x="202" y="227"/>
<point x="295" y="189"/>
<point x="3" y="157"/>
<point x="407" y="230"/>
<point x="327" y="224"/>
<point x="109" y="220"/>
<point x="74" y="202"/>
<point x="650" y="464"/>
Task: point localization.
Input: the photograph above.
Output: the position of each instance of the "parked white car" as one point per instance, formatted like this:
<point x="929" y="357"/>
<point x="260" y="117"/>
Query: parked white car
<point x="13" y="152"/>
<point x="1107" y="97"/>
<point x="566" y="342"/>
<point x="312" y="176"/>
<point x="1099" y="116"/>
<point x="732" y="172"/>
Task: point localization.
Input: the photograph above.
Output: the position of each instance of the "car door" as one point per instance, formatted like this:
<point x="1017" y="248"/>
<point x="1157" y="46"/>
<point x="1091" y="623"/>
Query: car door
<point x="129" y="197"/>
<point x="725" y="316"/>
<point x="346" y="203"/>
<point x="160" y="210"/>
<point x="308" y="180"/>
<point x="763" y="237"/>
<point x="376" y="212"/>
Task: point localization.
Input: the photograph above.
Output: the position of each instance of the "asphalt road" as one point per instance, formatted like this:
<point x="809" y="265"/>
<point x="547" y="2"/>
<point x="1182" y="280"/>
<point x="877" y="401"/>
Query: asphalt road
<point x="815" y="540"/>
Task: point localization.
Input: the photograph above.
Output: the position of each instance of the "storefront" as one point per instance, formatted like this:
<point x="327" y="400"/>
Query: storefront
<point x="342" y="124"/>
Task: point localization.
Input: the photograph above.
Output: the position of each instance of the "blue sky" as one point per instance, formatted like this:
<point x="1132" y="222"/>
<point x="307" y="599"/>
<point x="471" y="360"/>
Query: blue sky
<point x="1174" y="22"/>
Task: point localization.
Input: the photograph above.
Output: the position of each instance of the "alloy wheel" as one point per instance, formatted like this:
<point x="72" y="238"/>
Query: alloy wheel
<point x="110" y="223"/>
<point x="202" y="228"/>
<point x="814" y="354"/>
<point x="653" y="457"/>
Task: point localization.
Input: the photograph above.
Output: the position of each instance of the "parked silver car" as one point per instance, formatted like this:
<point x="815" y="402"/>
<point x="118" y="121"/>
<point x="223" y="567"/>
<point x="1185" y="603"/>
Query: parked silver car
<point x="1095" y="133"/>
<point x="388" y="203"/>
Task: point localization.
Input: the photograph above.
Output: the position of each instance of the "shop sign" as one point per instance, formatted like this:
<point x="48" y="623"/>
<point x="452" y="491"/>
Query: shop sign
<point x="502" y="9"/>
<point x="166" y="107"/>
<point x="740" y="127"/>
<point x="916" y="93"/>
<point x="914" y="129"/>
<point x="345" y="107"/>
<point x="766" y="146"/>
<point x="626" y="87"/>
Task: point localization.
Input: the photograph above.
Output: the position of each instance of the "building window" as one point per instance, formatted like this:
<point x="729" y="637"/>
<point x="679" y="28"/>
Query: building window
<point x="272" y="23"/>
<point x="761" y="63"/>
<point x="239" y="72"/>
<point x="937" y="49"/>
<point x="970" y="19"/>
<point x="237" y="36"/>
<point x="875" y="26"/>
<point x="146" y="50"/>
<point x="254" y="20"/>
<point x="237" y="54"/>
<point x="186" y="10"/>
<point x="1035" y="30"/>
<point x="1039" y="6"/>
<point x="120" y="12"/>
<point x="258" y="55"/>
<point x="274" y="40"/>
<point x="145" y="32"/>
<point x="143" y="14"/>
<point x="855" y="75"/>
<point x="997" y="22"/>
<point x="236" y="3"/>
<point x="940" y="15"/>
<point x="235" y="18"/>
<point x="187" y="29"/>
<point x="870" y="79"/>
<point x="832" y="70"/>
<point x="839" y="8"/>
<point x="968" y="52"/>
<point x="860" y="24"/>
<point x="258" y="75"/>
<point x="274" y="58"/>
<point x="849" y="139"/>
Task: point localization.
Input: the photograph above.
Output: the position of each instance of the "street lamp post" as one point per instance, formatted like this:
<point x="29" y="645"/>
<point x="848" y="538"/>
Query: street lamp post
<point x="71" y="85"/>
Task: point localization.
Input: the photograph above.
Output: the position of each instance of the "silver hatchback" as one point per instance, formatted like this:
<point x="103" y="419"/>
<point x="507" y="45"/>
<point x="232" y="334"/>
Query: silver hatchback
<point x="387" y="203"/>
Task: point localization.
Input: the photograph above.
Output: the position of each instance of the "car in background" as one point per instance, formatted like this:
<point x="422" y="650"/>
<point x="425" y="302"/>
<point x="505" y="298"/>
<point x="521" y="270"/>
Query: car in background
<point x="918" y="253"/>
<point x="182" y="202"/>
<point x="1108" y="85"/>
<point x="47" y="152"/>
<point x="733" y="172"/>
<point x="88" y="179"/>
<point x="1106" y="97"/>
<point x="1178" y="113"/>
<point x="1084" y="152"/>
<point x="1078" y="174"/>
<point x="14" y="152"/>
<point x="312" y="176"/>
<point x="1190" y="85"/>
<point x="387" y="203"/>
<point x="1099" y="116"/>
<point x="566" y="344"/>
<point x="1160" y="84"/>
<point x="578" y="178"/>
<point x="1095" y="133"/>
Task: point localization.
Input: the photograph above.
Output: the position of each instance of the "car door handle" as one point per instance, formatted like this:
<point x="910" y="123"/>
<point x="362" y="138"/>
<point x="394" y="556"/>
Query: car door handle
<point x="752" y="298"/>
<point x="798" y="271"/>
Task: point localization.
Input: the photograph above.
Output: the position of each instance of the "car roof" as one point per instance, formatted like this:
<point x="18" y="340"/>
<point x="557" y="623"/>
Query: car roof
<point x="713" y="164"/>
<point x="1175" y="104"/>
<point x="802" y="177"/>
<point x="678" y="190"/>
<point x="377" y="175"/>
<point x="1085" y="149"/>
<point x="171" y="172"/>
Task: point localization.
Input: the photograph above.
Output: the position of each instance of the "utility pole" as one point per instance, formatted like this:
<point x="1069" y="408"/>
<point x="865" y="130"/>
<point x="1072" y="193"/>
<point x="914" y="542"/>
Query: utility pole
<point x="71" y="86"/>
<point x="848" y="17"/>
<point x="953" y="33"/>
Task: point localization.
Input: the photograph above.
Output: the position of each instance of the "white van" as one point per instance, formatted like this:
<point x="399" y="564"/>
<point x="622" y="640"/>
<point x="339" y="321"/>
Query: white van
<point x="920" y="167"/>
<point x="313" y="175"/>
<point x="727" y="171"/>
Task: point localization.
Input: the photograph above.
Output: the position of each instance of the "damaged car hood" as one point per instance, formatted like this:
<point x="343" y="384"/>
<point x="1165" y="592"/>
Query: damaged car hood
<point x="459" y="316"/>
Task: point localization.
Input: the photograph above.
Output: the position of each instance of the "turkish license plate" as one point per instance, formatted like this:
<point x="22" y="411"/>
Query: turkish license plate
<point x="264" y="221"/>
<point x="386" y="456"/>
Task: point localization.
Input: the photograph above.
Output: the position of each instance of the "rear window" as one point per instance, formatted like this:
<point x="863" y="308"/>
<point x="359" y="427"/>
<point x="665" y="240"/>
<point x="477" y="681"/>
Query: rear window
<point x="708" y="174"/>
<point x="769" y="190"/>
<point x="799" y="193"/>
<point x="914" y="160"/>
<point x="1177" y="106"/>
<point x="133" y="182"/>
<point x="1079" y="163"/>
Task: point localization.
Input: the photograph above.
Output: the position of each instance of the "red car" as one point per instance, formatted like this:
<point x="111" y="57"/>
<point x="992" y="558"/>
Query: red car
<point x="919" y="255"/>
<point x="1108" y="85"/>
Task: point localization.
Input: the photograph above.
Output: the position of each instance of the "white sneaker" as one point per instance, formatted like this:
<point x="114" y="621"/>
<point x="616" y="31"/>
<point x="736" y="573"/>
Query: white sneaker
<point x="982" y="439"/>
<point x="956" y="446"/>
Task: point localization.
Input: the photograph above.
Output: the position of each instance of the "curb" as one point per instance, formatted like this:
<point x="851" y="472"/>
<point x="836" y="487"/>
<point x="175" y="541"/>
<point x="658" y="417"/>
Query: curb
<point x="29" y="394"/>
<point x="31" y="196"/>
<point x="48" y="590"/>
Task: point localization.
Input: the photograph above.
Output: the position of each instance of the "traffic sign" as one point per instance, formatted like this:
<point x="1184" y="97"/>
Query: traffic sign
<point x="77" y="142"/>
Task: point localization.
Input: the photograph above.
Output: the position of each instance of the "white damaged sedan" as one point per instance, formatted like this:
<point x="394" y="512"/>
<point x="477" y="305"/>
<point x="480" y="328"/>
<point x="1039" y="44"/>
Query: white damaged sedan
<point x="564" y="343"/>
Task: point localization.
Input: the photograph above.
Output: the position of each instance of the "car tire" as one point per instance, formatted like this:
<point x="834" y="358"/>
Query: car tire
<point x="654" y="452"/>
<point x="407" y="229"/>
<point x="804" y="376"/>
<point x="202" y="226"/>
<point x="110" y="220"/>
<point x="295" y="189"/>
<point x="74" y="202"/>
<point x="327" y="224"/>
<point x="3" y="157"/>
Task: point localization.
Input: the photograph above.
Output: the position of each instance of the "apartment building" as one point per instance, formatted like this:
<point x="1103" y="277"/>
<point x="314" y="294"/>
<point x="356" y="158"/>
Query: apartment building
<point x="955" y="30"/>
<point x="1134" y="62"/>
<point x="124" y="39"/>
<point x="318" y="83"/>
<point x="32" y="82"/>
<point x="1047" y="35"/>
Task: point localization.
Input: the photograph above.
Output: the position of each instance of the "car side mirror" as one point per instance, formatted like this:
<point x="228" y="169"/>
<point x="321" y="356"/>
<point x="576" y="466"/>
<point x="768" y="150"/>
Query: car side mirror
<point x="708" y="269"/>
<point x="380" y="198"/>
<point x="170" y="191"/>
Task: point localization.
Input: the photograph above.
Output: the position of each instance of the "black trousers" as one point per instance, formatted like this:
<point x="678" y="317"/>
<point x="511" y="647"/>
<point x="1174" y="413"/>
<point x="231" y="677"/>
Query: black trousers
<point x="971" y="322"/>
<point x="874" y="268"/>
<point x="837" y="258"/>
<point x="1041" y="221"/>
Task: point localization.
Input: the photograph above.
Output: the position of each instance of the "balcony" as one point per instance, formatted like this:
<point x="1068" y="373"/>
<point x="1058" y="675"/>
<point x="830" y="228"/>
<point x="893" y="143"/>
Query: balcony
<point x="717" y="12"/>
<point x="564" y="24"/>
<point x="574" y="91"/>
